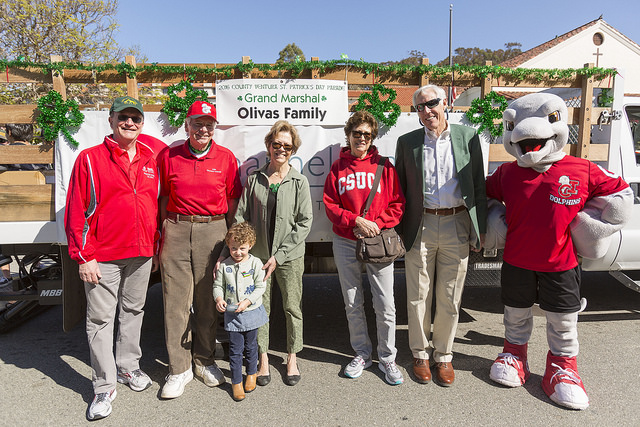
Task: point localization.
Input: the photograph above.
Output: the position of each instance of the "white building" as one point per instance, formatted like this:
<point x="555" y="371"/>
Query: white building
<point x="595" y="42"/>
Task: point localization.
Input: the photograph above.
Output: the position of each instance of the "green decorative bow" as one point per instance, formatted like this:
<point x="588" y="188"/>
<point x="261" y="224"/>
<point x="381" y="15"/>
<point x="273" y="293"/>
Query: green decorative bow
<point x="176" y="107"/>
<point x="57" y="115"/>
<point x="372" y="103"/>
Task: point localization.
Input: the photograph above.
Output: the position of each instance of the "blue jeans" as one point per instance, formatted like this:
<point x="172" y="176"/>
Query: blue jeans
<point x="243" y="343"/>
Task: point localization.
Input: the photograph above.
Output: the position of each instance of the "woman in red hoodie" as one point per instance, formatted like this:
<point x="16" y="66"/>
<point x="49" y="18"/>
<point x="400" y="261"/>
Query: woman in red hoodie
<point x="345" y="193"/>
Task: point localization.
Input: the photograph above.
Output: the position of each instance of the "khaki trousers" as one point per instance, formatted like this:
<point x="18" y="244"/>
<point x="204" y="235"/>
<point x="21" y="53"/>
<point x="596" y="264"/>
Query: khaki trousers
<point x="436" y="267"/>
<point x="188" y="256"/>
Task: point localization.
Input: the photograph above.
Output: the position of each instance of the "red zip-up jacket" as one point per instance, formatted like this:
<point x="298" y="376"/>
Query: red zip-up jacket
<point x="107" y="218"/>
<point x="348" y="185"/>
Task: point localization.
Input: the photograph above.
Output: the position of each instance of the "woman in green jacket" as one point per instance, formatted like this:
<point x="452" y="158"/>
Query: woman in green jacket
<point x="277" y="202"/>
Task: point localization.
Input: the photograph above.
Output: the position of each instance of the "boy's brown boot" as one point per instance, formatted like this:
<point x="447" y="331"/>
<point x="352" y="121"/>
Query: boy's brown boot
<point x="250" y="383"/>
<point x="238" y="392"/>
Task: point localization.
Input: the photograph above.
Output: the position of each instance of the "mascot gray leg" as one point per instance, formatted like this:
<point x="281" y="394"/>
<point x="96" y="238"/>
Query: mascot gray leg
<point x="511" y="367"/>
<point x="561" y="381"/>
<point x="562" y="333"/>
<point x="518" y="324"/>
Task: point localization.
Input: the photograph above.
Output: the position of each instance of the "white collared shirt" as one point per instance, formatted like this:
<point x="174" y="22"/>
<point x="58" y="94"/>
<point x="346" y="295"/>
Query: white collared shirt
<point x="441" y="186"/>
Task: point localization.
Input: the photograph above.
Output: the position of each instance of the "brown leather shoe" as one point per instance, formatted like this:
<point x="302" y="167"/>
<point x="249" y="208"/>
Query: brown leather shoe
<point x="421" y="370"/>
<point x="444" y="374"/>
<point x="238" y="392"/>
<point x="250" y="383"/>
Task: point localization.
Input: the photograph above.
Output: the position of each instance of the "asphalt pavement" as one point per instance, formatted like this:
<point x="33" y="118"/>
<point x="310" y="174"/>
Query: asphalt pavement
<point x="45" y="373"/>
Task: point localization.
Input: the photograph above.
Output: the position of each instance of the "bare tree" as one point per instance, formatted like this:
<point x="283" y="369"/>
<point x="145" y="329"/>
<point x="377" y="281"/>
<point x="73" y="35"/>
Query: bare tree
<point x="78" y="30"/>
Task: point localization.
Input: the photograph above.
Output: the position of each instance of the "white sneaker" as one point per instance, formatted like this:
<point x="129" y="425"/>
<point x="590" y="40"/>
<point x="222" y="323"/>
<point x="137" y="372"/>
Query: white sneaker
<point x="392" y="374"/>
<point x="356" y="366"/>
<point x="137" y="379"/>
<point x="174" y="385"/>
<point x="100" y="407"/>
<point x="210" y="375"/>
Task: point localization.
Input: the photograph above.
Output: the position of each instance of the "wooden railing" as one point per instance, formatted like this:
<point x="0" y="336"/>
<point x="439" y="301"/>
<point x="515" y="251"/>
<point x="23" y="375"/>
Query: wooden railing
<point x="26" y="195"/>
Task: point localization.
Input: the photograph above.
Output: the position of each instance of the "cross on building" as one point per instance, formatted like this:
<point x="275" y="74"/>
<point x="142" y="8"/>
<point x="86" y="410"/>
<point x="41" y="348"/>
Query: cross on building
<point x="597" y="55"/>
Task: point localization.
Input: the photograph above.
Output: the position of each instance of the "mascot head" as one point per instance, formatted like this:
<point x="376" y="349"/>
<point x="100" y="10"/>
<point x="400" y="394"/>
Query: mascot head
<point x="535" y="130"/>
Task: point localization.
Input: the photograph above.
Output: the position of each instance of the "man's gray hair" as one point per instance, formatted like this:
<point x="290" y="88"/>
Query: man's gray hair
<point x="439" y="92"/>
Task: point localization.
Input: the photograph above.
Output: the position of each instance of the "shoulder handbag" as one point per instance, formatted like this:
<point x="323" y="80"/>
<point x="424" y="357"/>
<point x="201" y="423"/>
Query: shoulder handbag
<point x="386" y="246"/>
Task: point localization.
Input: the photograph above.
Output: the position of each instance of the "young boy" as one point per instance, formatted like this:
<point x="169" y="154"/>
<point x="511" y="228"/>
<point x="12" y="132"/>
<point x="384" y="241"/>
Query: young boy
<point x="238" y="290"/>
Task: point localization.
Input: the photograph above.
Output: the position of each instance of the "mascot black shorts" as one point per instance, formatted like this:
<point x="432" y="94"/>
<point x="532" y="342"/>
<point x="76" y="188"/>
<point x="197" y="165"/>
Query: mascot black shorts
<point x="558" y="292"/>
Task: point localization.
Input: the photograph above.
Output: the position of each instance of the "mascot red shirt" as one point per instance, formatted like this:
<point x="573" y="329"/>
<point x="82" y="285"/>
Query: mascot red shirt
<point x="541" y="206"/>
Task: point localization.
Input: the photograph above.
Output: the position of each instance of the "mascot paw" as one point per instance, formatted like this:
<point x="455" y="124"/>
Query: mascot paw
<point x="496" y="226"/>
<point x="601" y="217"/>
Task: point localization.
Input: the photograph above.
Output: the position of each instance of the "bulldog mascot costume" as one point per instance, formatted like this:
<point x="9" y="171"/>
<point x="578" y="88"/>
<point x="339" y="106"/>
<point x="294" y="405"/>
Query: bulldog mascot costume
<point x="548" y="208"/>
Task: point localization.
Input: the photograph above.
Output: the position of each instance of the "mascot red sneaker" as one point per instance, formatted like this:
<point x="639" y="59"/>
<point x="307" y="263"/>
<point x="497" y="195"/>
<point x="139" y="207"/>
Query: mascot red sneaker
<point x="548" y="208"/>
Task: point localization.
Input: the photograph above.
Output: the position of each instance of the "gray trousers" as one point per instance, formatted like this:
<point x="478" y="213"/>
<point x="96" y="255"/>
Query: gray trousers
<point x="123" y="286"/>
<point x="381" y="281"/>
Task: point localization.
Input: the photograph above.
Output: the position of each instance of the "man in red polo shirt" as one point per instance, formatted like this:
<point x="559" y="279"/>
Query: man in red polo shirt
<point x="200" y="188"/>
<point x="111" y="226"/>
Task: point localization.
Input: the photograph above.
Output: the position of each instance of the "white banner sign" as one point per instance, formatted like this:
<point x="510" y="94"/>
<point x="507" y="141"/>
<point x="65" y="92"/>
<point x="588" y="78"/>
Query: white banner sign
<point x="300" y="102"/>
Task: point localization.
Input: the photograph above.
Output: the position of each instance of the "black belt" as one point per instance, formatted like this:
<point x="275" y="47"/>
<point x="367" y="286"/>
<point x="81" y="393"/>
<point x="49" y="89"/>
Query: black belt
<point x="445" y="211"/>
<point x="193" y="218"/>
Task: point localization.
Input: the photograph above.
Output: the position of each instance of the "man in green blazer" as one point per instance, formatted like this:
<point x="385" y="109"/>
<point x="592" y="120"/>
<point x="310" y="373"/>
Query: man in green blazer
<point x="441" y="172"/>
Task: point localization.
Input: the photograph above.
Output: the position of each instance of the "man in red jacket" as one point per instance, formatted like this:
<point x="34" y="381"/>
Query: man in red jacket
<point x="111" y="226"/>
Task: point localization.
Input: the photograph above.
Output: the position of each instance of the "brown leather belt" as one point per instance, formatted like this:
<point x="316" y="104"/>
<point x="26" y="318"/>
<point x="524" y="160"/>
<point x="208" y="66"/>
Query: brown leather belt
<point x="193" y="218"/>
<point x="445" y="211"/>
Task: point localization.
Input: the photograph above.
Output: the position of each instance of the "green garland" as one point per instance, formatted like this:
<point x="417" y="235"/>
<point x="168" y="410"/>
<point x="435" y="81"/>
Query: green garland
<point x="378" y="107"/>
<point x="483" y="113"/>
<point x="297" y="67"/>
<point x="57" y="115"/>
<point x="176" y="107"/>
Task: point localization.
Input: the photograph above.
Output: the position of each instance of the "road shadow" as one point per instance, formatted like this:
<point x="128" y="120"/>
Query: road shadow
<point x="41" y="344"/>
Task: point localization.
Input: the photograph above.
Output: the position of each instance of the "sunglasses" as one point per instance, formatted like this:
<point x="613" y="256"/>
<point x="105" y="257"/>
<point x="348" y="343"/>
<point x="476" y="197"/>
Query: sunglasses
<point x="286" y="147"/>
<point x="357" y="135"/>
<point x="135" y="119"/>
<point x="432" y="103"/>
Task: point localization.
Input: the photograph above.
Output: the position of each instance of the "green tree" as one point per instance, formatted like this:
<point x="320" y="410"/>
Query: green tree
<point x="78" y="30"/>
<point x="477" y="56"/>
<point x="290" y="53"/>
<point x="414" y="58"/>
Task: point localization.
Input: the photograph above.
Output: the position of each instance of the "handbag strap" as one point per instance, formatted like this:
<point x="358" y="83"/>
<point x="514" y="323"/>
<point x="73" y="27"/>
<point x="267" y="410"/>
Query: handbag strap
<point x="374" y="187"/>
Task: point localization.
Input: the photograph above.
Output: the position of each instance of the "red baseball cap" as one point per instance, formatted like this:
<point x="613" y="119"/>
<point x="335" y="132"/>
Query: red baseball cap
<point x="202" y="108"/>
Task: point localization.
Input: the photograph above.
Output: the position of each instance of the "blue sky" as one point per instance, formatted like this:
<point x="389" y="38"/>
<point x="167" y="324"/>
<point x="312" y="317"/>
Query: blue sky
<point x="213" y="31"/>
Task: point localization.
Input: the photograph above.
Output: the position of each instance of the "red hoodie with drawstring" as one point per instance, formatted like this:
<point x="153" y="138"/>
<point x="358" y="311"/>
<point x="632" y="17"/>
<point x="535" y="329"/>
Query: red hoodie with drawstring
<point x="348" y="185"/>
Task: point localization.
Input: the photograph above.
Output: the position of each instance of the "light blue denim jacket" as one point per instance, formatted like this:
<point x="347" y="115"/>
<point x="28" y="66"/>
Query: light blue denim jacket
<point x="238" y="281"/>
